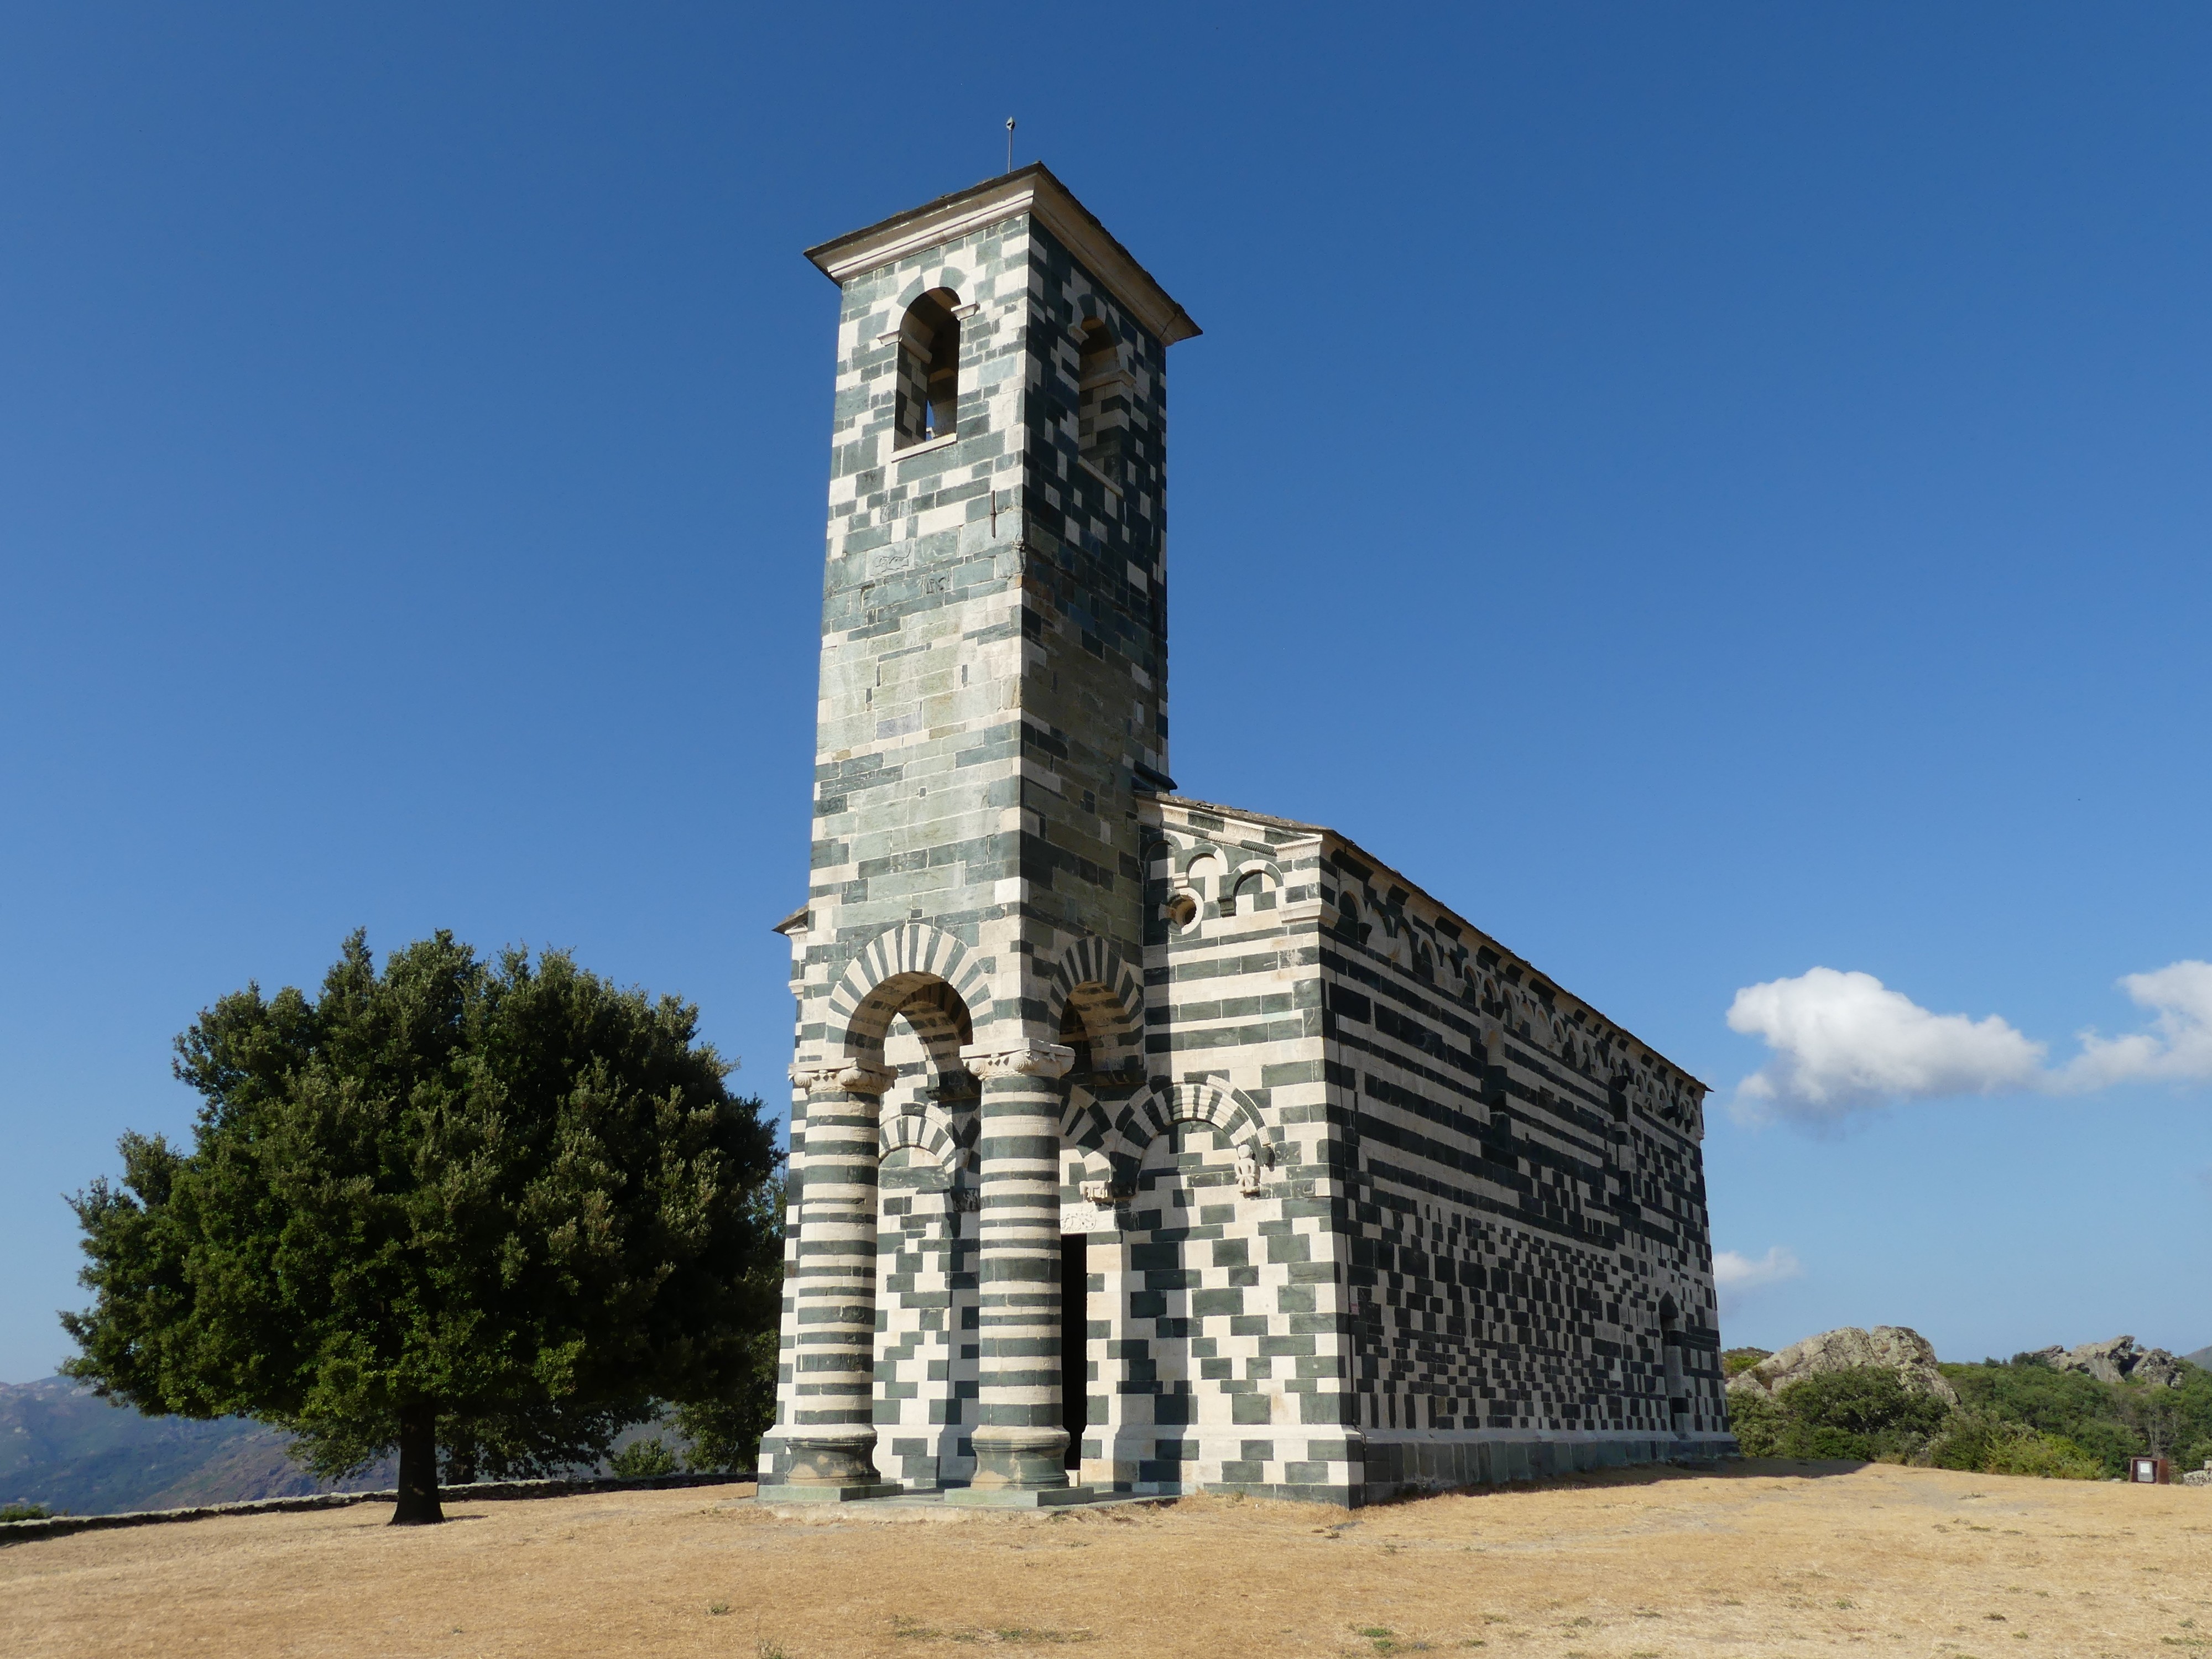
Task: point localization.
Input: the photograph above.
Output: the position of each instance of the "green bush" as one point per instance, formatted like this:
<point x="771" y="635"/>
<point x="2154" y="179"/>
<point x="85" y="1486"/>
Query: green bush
<point x="643" y="1460"/>
<point x="1866" y="1413"/>
<point x="25" y="1512"/>
<point x="2019" y="1417"/>
<point x="1982" y="1442"/>
<point x="2105" y="1422"/>
<point x="2052" y="1456"/>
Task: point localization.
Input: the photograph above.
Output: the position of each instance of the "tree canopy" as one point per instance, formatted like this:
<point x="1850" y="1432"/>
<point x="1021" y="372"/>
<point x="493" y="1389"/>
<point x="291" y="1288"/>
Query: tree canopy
<point x="499" y="1208"/>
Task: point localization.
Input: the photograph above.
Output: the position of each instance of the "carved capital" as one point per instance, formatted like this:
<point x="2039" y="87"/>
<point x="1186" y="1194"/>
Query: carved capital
<point x="1028" y="1058"/>
<point x="852" y="1079"/>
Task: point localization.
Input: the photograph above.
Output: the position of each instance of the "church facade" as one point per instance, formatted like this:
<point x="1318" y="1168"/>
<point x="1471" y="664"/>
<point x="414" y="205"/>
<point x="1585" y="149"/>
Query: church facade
<point x="1140" y="1144"/>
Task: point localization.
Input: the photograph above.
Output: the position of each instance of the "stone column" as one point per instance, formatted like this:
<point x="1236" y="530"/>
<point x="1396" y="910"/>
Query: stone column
<point x="1020" y="1446"/>
<point x="831" y="1434"/>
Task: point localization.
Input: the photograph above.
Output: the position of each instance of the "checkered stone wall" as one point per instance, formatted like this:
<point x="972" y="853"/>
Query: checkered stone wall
<point x="1524" y="1202"/>
<point x="1359" y="1201"/>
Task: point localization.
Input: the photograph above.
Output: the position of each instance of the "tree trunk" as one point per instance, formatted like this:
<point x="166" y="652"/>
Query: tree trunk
<point x="419" y="1468"/>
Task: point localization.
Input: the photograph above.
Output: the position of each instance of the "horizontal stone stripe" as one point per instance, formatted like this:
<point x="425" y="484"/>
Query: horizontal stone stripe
<point x="1029" y="1346"/>
<point x="1041" y="1414"/>
<point x="1039" y="1270"/>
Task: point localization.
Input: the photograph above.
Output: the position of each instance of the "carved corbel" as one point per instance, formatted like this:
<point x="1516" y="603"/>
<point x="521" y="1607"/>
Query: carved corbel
<point x="1251" y="1157"/>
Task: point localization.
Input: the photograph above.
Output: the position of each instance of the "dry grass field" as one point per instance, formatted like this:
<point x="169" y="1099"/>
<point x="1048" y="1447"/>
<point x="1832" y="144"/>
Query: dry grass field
<point x="1764" y="1558"/>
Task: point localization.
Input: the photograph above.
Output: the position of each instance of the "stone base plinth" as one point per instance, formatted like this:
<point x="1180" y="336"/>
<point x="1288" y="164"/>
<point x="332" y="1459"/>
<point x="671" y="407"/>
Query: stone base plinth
<point x="790" y="1492"/>
<point x="1018" y="1497"/>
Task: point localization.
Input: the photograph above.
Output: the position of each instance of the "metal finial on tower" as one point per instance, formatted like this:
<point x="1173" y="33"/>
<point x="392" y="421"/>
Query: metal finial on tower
<point x="1010" y="143"/>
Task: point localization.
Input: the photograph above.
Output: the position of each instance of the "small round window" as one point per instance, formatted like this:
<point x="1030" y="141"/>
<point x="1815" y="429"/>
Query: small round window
<point x="1182" y="909"/>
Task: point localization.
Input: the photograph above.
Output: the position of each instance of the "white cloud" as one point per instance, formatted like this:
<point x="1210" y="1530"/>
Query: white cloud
<point x="1735" y="1274"/>
<point x="1846" y="1043"/>
<point x="2178" y="1048"/>
<point x="1734" y="1270"/>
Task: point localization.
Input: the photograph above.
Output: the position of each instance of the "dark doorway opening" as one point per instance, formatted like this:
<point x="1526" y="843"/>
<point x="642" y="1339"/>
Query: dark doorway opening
<point x="1074" y="1349"/>
<point x="1670" y="1338"/>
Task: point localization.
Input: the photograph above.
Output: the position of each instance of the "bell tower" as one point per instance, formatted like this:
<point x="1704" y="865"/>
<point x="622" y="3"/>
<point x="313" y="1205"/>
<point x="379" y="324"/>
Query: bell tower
<point x="992" y="704"/>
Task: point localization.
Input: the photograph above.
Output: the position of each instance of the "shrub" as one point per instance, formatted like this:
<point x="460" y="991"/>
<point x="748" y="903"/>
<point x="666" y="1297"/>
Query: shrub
<point x="2109" y="1422"/>
<point x="2052" y="1456"/>
<point x="1865" y="1413"/>
<point x="25" y="1512"/>
<point x="1982" y="1442"/>
<point x="1757" y="1423"/>
<point x="643" y="1460"/>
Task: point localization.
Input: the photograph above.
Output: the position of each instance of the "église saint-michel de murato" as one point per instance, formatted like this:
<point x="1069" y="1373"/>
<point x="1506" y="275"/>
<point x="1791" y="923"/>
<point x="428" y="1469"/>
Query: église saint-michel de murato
<point x="1142" y="1144"/>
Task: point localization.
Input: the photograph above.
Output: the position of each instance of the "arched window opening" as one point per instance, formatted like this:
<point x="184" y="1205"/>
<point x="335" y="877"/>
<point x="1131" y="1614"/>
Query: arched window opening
<point x="1103" y="417"/>
<point x="928" y="368"/>
<point x="1077" y="1035"/>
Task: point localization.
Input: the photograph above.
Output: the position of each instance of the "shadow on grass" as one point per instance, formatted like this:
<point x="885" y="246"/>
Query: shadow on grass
<point x="1729" y="1468"/>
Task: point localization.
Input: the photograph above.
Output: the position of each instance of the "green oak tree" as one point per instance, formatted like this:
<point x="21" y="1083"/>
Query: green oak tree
<point x="496" y="1208"/>
<point x="724" y="1432"/>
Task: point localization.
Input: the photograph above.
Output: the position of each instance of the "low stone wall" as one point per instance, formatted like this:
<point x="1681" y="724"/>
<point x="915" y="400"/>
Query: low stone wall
<point x="19" y="1532"/>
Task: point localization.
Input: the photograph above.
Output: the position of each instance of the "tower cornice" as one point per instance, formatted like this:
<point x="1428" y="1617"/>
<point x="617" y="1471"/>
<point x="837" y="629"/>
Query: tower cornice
<point x="1032" y="189"/>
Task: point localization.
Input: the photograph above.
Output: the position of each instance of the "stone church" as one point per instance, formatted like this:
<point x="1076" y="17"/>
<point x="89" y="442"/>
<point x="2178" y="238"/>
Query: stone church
<point x="1141" y="1144"/>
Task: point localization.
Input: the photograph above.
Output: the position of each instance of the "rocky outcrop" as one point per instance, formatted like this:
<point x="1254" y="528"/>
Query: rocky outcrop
<point x="1893" y="1347"/>
<point x="2117" y="1359"/>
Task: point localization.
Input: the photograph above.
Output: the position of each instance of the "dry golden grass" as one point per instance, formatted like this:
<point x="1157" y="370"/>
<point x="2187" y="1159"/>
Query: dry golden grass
<point x="1766" y="1559"/>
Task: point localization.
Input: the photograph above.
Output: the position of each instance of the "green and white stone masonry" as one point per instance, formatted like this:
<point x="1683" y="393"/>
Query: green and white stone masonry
<point x="1139" y="1145"/>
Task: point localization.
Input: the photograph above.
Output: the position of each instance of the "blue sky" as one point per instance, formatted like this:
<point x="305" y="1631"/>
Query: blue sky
<point x="1715" y="492"/>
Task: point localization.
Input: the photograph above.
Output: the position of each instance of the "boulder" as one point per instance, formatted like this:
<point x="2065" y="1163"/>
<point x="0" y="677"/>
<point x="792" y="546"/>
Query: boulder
<point x="2117" y="1359"/>
<point x="1894" y="1348"/>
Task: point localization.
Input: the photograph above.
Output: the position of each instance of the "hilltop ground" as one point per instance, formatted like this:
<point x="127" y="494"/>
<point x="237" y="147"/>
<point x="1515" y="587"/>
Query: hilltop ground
<point x="1764" y="1559"/>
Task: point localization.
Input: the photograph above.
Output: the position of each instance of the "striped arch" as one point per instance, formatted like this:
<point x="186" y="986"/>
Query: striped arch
<point x="914" y="969"/>
<point x="1120" y="1140"/>
<point x="1184" y="854"/>
<point x="928" y="1131"/>
<point x="1109" y="995"/>
<point x="1261" y="877"/>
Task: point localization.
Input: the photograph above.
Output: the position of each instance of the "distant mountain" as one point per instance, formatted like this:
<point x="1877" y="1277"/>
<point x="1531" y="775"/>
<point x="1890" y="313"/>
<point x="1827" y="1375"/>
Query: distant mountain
<point x="62" y="1446"/>
<point x="2201" y="1357"/>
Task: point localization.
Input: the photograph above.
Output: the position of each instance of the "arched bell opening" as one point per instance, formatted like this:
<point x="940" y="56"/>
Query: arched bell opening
<point x="929" y="388"/>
